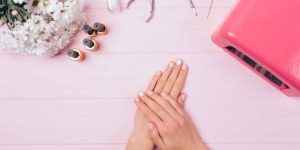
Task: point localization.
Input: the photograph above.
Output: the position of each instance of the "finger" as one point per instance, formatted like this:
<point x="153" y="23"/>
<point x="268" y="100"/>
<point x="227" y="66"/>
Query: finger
<point x="162" y="81"/>
<point x="154" y="81"/>
<point x="156" y="108"/>
<point x="147" y="112"/>
<point x="181" y="99"/>
<point x="180" y="81"/>
<point x="155" y="137"/>
<point x="173" y="77"/>
<point x="173" y="102"/>
<point x="163" y="103"/>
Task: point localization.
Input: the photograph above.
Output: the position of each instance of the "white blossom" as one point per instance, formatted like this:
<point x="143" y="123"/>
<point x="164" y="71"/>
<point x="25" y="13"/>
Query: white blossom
<point x="19" y="1"/>
<point x="48" y="29"/>
<point x="47" y="6"/>
<point x="29" y="6"/>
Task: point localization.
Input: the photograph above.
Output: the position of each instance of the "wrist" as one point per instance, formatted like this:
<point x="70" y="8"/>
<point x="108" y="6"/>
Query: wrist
<point x="201" y="146"/>
<point x="140" y="143"/>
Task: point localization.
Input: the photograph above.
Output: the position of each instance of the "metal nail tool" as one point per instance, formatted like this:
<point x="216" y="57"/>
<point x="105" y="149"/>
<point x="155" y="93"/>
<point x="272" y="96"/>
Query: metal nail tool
<point x="152" y="3"/>
<point x="152" y="9"/>
<point x="193" y="7"/>
<point x="210" y="7"/>
<point x="129" y="3"/>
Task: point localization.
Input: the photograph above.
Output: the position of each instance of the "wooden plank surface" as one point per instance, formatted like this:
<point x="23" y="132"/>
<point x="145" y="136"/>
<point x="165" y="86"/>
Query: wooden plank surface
<point x="90" y="121"/>
<point x="109" y="75"/>
<point x="54" y="103"/>
<point x="267" y="146"/>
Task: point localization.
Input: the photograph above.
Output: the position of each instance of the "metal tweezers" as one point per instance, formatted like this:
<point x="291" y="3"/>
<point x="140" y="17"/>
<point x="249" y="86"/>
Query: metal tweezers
<point x="152" y="10"/>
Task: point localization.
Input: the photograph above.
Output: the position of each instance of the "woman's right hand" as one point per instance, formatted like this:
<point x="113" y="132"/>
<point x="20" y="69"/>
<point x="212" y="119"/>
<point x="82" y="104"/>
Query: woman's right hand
<point x="170" y="126"/>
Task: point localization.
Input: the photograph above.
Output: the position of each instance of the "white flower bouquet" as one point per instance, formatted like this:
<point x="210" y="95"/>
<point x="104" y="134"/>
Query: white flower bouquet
<point x="39" y="27"/>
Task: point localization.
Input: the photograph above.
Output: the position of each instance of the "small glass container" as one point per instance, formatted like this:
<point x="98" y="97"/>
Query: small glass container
<point x="113" y="5"/>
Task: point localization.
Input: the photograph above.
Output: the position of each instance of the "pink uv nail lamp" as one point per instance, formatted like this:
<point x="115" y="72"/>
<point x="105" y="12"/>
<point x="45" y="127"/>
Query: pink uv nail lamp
<point x="264" y="35"/>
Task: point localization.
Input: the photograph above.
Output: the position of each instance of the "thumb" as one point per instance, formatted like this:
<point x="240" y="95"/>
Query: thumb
<point x="181" y="99"/>
<point x="155" y="137"/>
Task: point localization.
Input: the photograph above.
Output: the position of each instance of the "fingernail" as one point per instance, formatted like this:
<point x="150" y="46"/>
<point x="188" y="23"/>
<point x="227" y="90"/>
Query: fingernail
<point x="149" y="93"/>
<point x="184" y="67"/>
<point x="137" y="100"/>
<point x="178" y="62"/>
<point x="141" y="94"/>
<point x="150" y="126"/>
<point x="171" y="65"/>
<point x="164" y="94"/>
<point x="183" y="97"/>
<point x="158" y="73"/>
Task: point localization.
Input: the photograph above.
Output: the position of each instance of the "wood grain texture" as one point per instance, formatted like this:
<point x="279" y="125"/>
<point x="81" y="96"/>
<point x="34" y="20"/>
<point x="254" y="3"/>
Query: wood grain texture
<point x="263" y="146"/>
<point x="54" y="103"/>
<point x="89" y="121"/>
<point x="123" y="75"/>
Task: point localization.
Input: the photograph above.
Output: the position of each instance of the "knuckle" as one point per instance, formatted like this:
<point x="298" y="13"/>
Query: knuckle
<point x="155" y="96"/>
<point x="173" y="126"/>
<point x="173" y="93"/>
<point x="164" y="130"/>
<point x="172" y="99"/>
<point x="181" y="121"/>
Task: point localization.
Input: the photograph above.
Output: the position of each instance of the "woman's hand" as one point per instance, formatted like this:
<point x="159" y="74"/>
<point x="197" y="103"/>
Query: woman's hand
<point x="139" y="138"/>
<point x="170" y="81"/>
<point x="170" y="126"/>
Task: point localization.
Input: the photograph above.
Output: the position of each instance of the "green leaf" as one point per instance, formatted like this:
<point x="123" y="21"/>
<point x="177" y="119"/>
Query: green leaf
<point x="3" y="9"/>
<point x="6" y="8"/>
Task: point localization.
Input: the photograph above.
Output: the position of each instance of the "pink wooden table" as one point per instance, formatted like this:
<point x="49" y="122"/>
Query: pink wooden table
<point x="56" y="104"/>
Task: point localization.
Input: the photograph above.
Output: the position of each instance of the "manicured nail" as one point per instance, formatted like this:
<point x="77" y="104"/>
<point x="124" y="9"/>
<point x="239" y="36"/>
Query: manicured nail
<point x="183" y="97"/>
<point x="158" y="73"/>
<point x="137" y="100"/>
<point x="149" y="93"/>
<point x="171" y="65"/>
<point x="179" y="62"/>
<point x="141" y="94"/>
<point x="164" y="94"/>
<point x="184" y="67"/>
<point x="150" y="126"/>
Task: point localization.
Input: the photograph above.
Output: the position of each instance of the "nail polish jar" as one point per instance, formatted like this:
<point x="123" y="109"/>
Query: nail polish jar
<point x="90" y="44"/>
<point x="89" y="31"/>
<point x="100" y="28"/>
<point x="75" y="54"/>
